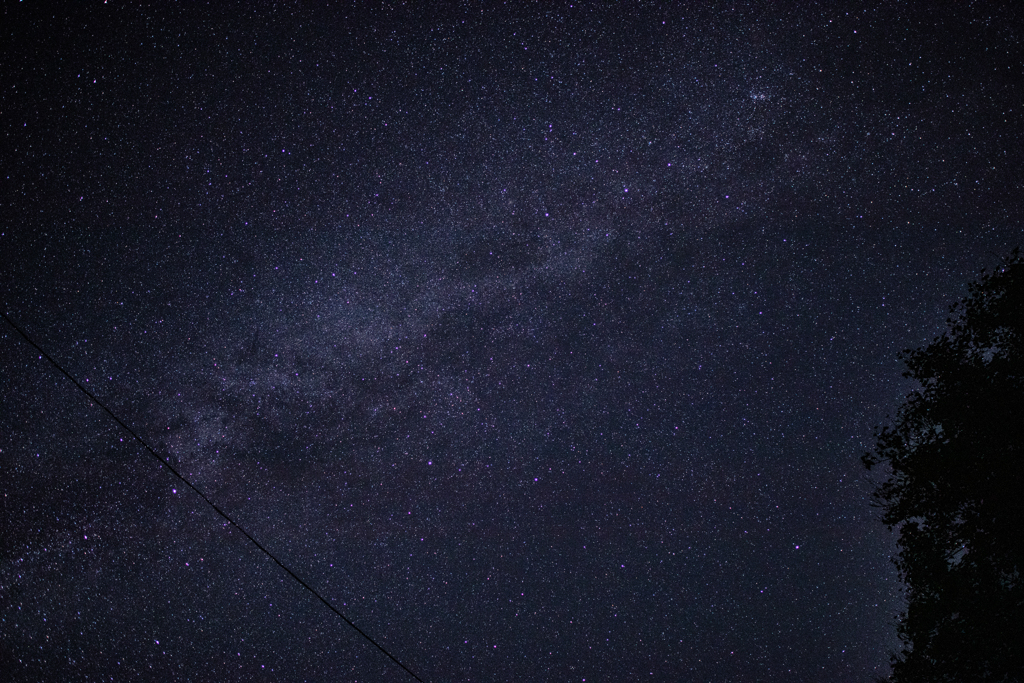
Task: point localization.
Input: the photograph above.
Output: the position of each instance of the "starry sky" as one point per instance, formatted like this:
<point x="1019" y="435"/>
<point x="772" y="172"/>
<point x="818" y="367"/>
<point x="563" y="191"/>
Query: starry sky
<point x="542" y="339"/>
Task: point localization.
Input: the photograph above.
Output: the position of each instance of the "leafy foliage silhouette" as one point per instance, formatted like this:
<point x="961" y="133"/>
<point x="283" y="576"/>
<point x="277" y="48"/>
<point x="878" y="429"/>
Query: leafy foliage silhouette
<point x="955" y="491"/>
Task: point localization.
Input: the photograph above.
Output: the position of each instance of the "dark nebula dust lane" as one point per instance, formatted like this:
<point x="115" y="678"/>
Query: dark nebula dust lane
<point x="543" y="340"/>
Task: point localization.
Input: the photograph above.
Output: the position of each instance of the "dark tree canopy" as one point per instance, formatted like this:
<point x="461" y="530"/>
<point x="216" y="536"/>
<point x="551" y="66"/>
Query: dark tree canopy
<point x="955" y="491"/>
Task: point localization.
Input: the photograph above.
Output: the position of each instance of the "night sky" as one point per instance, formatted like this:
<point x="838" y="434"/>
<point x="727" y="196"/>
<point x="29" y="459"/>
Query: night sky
<point x="542" y="339"/>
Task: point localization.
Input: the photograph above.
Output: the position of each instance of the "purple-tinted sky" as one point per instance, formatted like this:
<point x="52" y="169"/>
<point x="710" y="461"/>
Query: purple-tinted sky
<point x="542" y="339"/>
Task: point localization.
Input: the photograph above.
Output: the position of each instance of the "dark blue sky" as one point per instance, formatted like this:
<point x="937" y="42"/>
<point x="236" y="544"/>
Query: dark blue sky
<point x="542" y="339"/>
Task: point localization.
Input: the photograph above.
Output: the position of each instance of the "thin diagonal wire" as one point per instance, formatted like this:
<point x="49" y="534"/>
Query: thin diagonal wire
<point x="223" y="514"/>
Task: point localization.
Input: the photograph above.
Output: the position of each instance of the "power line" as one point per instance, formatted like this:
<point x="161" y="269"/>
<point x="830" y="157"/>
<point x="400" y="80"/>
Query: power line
<point x="167" y="464"/>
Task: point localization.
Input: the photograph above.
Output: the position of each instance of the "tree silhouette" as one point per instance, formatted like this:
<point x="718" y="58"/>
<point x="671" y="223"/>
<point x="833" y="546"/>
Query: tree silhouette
<point x="955" y="491"/>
